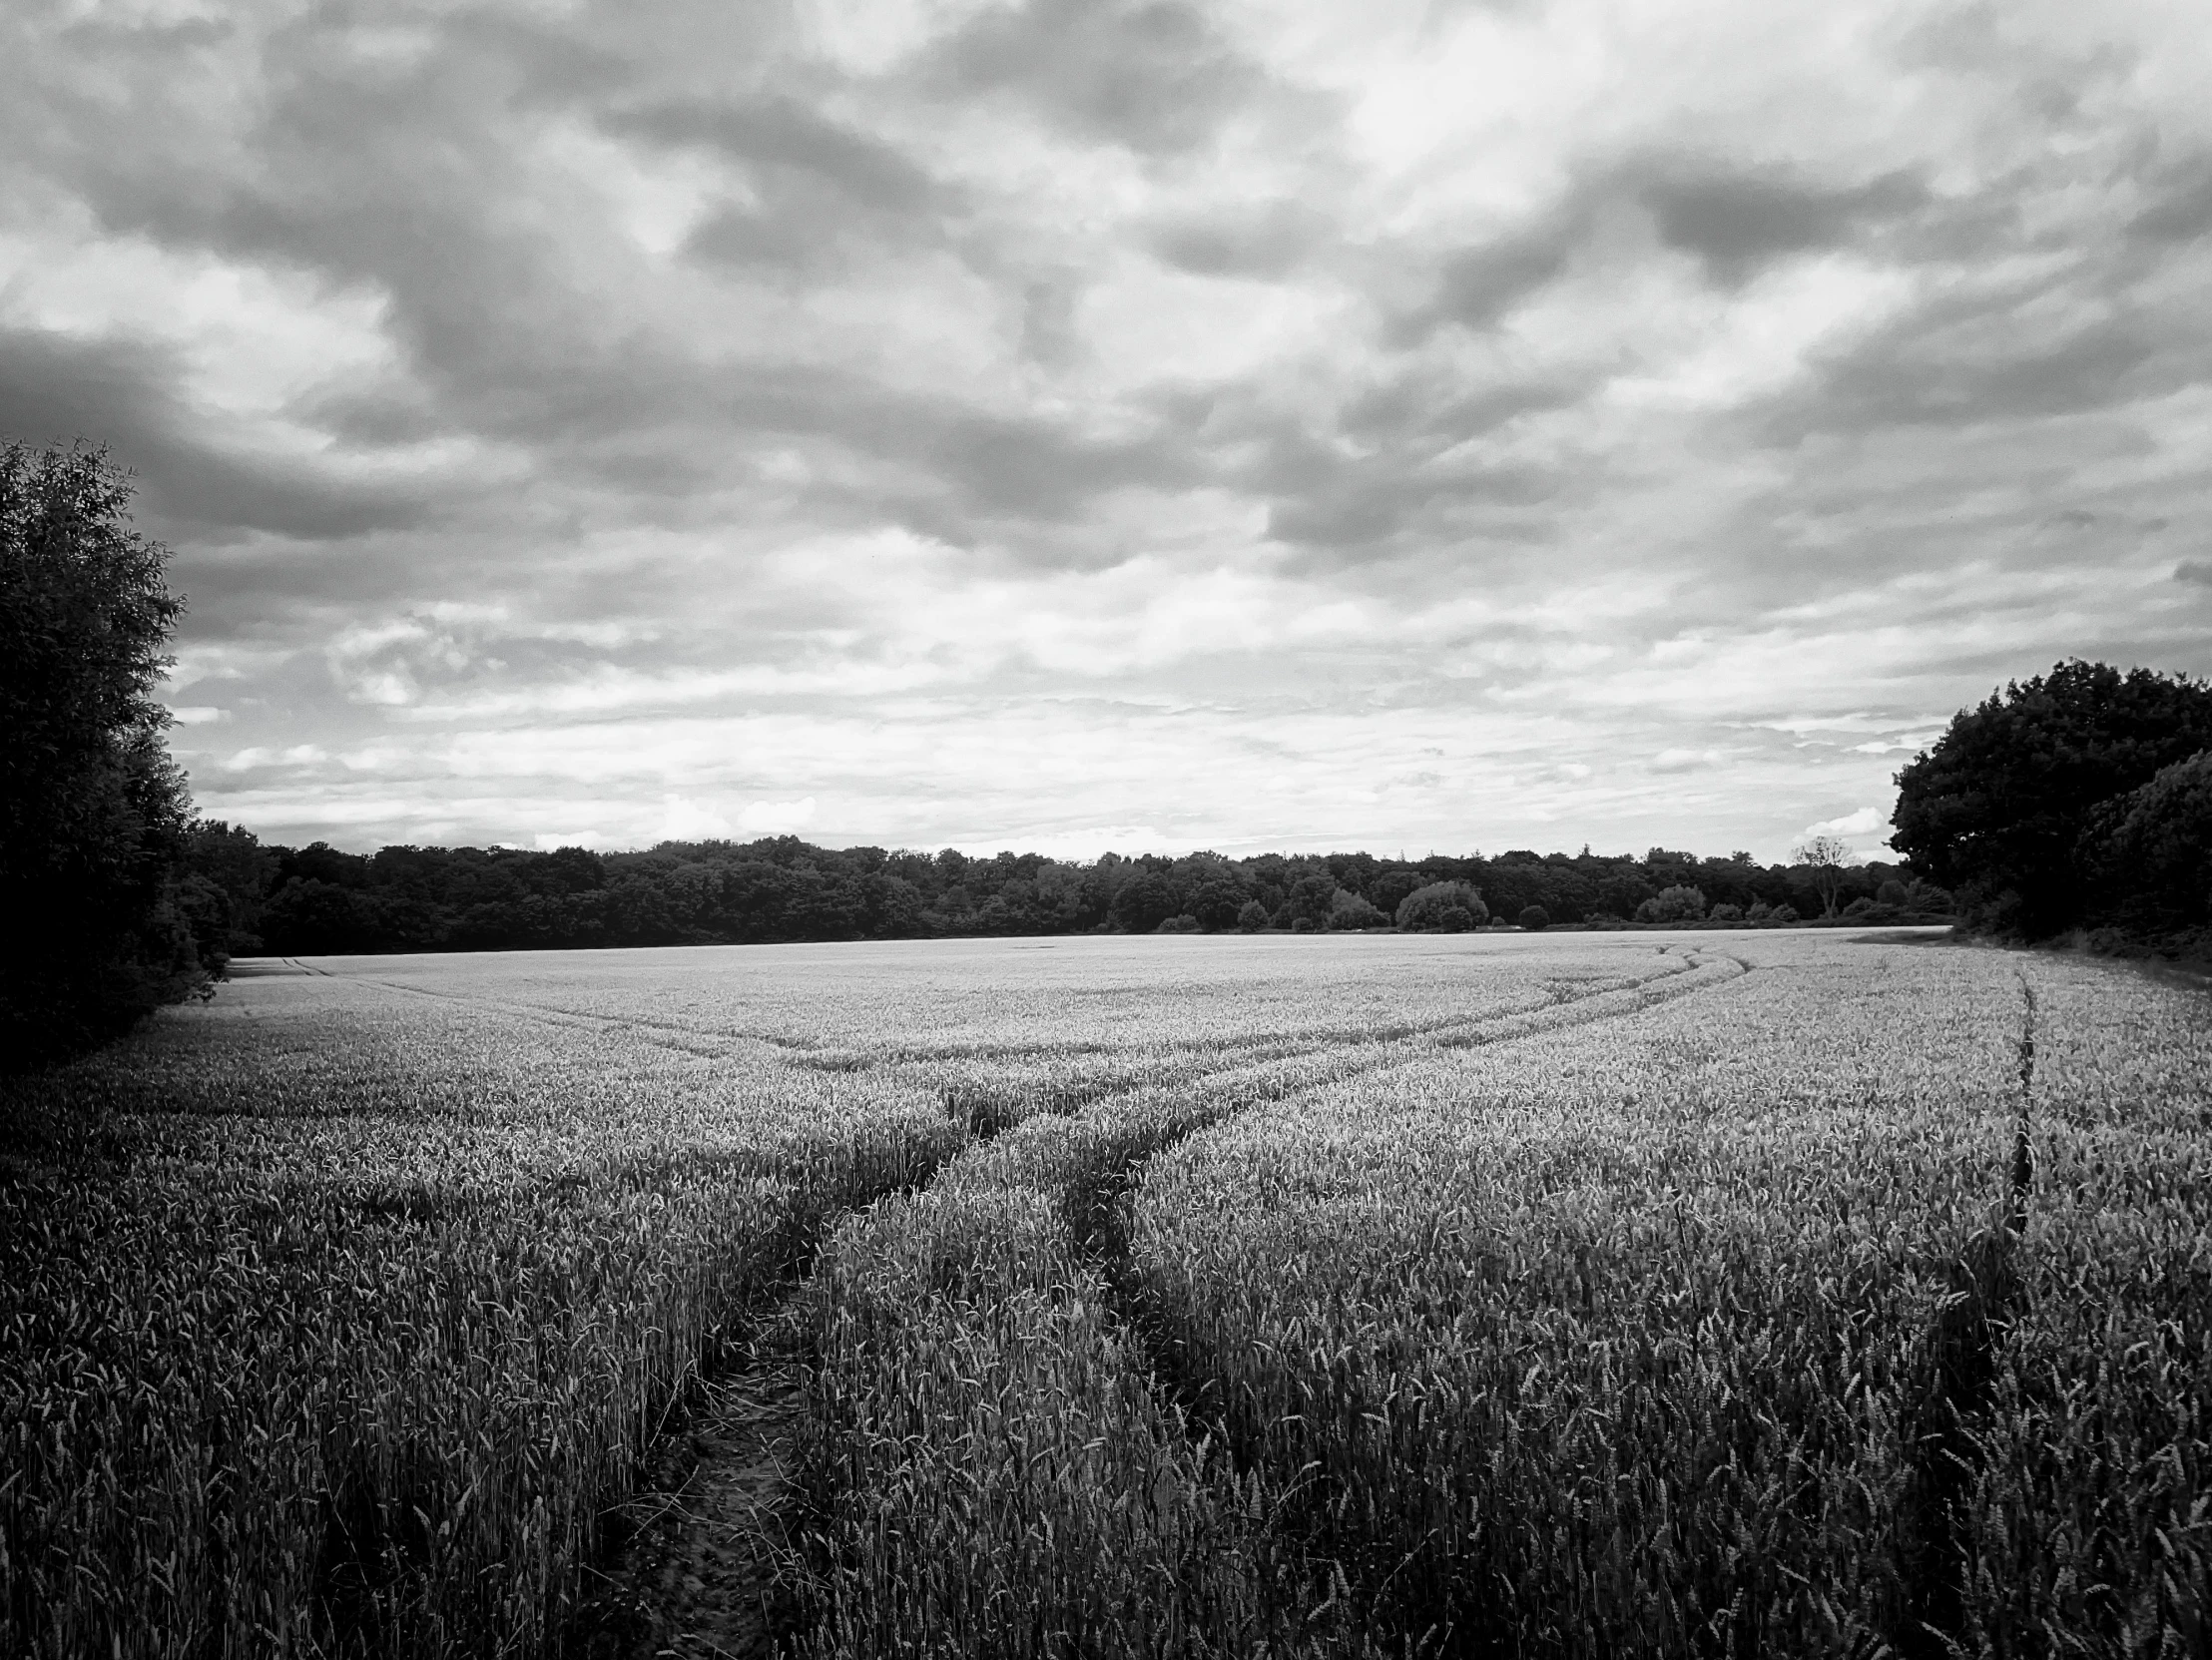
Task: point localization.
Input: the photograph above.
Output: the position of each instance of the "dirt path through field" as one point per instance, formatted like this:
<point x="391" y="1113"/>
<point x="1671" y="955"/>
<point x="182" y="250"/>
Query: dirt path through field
<point x="700" y="1576"/>
<point x="704" y="1573"/>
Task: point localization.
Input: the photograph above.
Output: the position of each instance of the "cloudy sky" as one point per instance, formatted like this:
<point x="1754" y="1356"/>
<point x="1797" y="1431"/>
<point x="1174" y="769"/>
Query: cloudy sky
<point x="1068" y="425"/>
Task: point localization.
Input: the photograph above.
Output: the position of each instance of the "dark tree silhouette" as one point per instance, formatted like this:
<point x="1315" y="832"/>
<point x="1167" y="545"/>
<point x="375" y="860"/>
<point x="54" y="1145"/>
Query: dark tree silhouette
<point x="93" y="814"/>
<point x="1996" y="809"/>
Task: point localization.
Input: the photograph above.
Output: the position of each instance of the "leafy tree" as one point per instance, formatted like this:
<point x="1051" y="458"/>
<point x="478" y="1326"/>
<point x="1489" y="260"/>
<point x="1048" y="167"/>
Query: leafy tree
<point x="1144" y="902"/>
<point x="2150" y="852"/>
<point x="232" y="859"/>
<point x="1824" y="859"/>
<point x="93" y="813"/>
<point x="1348" y="911"/>
<point x="1679" y="903"/>
<point x="1621" y="895"/>
<point x="313" y="918"/>
<point x="1390" y="890"/>
<point x="1995" y="810"/>
<point x="1308" y="900"/>
<point x="1218" y="901"/>
<point x="1535" y="918"/>
<point x="1443" y="907"/>
<point x="1251" y="916"/>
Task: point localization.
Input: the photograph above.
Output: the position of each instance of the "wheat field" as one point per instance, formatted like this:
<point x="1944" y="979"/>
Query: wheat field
<point x="1520" y="1295"/>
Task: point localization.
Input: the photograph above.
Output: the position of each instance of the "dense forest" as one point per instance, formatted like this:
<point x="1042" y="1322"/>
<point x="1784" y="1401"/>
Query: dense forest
<point x="317" y="899"/>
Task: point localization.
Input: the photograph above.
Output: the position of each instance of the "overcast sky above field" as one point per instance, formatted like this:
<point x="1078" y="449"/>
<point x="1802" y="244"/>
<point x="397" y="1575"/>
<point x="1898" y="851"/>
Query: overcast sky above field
<point x="1072" y="425"/>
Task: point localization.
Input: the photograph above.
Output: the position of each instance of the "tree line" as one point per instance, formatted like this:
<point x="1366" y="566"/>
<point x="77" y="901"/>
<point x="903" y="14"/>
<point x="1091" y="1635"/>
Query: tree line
<point x="320" y="900"/>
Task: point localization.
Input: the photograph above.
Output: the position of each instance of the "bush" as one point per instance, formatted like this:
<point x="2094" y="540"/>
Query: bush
<point x="1724" y="913"/>
<point x="1253" y="917"/>
<point x="2149" y="852"/>
<point x="1759" y="910"/>
<point x="1680" y="904"/>
<point x="1348" y="911"/>
<point x="1926" y="895"/>
<point x="1443" y="907"/>
<point x="1783" y="914"/>
<point x="1183" y="923"/>
<point x="1302" y="924"/>
<point x="1535" y="918"/>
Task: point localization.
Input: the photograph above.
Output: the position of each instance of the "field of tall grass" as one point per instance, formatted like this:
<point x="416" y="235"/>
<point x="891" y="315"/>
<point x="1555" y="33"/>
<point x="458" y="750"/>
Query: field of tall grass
<point x="1464" y="1294"/>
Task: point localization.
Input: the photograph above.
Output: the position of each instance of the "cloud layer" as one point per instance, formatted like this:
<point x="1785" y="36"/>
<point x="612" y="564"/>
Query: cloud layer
<point x="1071" y="423"/>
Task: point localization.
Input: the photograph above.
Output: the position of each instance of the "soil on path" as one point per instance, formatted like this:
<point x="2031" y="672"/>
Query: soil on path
<point x="703" y="1571"/>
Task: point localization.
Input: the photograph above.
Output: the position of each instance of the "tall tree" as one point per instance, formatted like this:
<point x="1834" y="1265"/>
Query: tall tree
<point x="1826" y="857"/>
<point x="93" y="813"/>
<point x="1995" y="810"/>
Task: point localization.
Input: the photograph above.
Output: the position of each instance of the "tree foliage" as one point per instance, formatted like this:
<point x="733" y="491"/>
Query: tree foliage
<point x="1443" y="907"/>
<point x="2149" y="852"/>
<point x="1680" y="903"/>
<point x="2001" y="809"/>
<point x="94" y="816"/>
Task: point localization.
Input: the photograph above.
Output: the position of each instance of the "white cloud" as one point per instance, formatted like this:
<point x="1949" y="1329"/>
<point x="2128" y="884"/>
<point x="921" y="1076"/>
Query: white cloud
<point x="257" y="755"/>
<point x="776" y="817"/>
<point x="546" y="841"/>
<point x="1868" y="829"/>
<point x="1867" y="821"/>
<point x="688" y="820"/>
<point x="1084" y="844"/>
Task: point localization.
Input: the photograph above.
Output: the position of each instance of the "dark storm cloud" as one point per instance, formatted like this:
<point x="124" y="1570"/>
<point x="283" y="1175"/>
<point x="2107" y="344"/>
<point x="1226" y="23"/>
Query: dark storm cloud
<point x="1475" y="286"/>
<point x="1264" y="239"/>
<point x="1153" y="76"/>
<point x="780" y="132"/>
<point x="816" y="187"/>
<point x="1737" y="223"/>
<point x="2181" y="206"/>
<point x="122" y="394"/>
<point x="1961" y="365"/>
<point x="1404" y="481"/>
